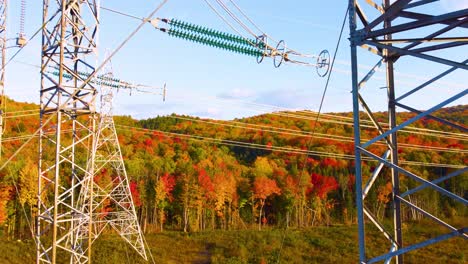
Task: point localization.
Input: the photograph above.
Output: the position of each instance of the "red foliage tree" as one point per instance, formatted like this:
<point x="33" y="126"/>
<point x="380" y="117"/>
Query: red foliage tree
<point x="322" y="185"/>
<point x="169" y="183"/>
<point x="206" y="184"/>
<point x="262" y="189"/>
<point x="5" y="196"/>
<point x="330" y="162"/>
<point x="148" y="142"/>
<point x="135" y="194"/>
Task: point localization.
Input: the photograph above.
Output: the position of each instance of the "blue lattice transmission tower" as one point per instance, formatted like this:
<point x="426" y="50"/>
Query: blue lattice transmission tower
<point x="399" y="31"/>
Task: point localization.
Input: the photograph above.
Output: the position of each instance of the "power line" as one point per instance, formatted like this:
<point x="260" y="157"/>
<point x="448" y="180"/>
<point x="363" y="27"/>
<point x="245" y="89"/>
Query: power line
<point x="280" y="51"/>
<point x="319" y="111"/>
<point x="230" y="143"/>
<point x="125" y="14"/>
<point x="282" y="131"/>
<point x="309" y="115"/>
<point x="332" y="118"/>
<point x="270" y="148"/>
<point x="286" y="131"/>
<point x="306" y="114"/>
<point x="301" y="133"/>
<point x="273" y="129"/>
<point x="226" y="8"/>
<point x="228" y="23"/>
<point x="122" y="13"/>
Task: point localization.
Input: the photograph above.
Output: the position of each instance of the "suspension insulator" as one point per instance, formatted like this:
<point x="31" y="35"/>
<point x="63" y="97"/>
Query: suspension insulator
<point x="214" y="42"/>
<point x="176" y="24"/>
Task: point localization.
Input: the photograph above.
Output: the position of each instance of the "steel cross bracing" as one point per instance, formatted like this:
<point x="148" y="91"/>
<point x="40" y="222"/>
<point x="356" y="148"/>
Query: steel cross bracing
<point x="3" y="47"/>
<point x="111" y="200"/>
<point x="401" y="18"/>
<point x="69" y="43"/>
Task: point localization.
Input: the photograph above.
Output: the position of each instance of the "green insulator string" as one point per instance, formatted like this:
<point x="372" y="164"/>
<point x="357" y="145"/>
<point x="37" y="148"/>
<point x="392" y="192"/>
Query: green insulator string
<point x="211" y="32"/>
<point x="110" y="83"/>
<point x="100" y="77"/>
<point x="86" y="74"/>
<point x="213" y="42"/>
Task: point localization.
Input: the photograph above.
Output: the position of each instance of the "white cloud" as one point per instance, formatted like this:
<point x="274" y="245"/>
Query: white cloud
<point x="290" y="98"/>
<point x="237" y="93"/>
<point x="210" y="112"/>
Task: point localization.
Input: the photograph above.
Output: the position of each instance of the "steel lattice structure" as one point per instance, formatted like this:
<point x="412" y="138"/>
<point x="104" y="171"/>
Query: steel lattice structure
<point x="112" y="202"/>
<point x="69" y="44"/>
<point x="420" y="36"/>
<point x="3" y="47"/>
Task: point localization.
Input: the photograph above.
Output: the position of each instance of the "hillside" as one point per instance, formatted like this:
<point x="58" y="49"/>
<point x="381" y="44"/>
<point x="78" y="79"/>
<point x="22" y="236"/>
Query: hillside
<point x="196" y="174"/>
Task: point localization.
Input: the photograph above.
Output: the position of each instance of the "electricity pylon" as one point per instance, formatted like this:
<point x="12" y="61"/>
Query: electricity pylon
<point x="420" y="36"/>
<point x="3" y="47"/>
<point x="69" y="44"/>
<point x="111" y="201"/>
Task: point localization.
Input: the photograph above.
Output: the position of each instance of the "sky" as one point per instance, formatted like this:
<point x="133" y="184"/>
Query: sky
<point x="207" y="82"/>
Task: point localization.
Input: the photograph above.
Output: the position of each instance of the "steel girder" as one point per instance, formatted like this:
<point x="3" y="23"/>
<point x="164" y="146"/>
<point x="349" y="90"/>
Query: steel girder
<point x="377" y="36"/>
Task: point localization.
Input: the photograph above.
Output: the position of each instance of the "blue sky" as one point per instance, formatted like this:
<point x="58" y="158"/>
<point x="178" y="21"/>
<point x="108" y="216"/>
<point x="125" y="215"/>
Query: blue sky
<point x="208" y="82"/>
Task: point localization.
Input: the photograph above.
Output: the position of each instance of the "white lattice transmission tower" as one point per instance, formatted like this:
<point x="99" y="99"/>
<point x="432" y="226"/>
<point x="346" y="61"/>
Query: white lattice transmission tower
<point x="73" y="207"/>
<point x="69" y="44"/>
<point x="3" y="47"/>
<point x="111" y="200"/>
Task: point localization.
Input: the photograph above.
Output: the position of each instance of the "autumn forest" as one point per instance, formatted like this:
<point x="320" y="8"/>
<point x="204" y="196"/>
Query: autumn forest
<point x="271" y="170"/>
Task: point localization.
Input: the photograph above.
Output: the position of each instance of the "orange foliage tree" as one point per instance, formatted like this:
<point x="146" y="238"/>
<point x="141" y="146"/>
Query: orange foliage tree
<point x="262" y="189"/>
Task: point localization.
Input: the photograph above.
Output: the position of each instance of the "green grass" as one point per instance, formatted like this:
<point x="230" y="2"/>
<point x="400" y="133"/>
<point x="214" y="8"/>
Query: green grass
<point x="336" y="244"/>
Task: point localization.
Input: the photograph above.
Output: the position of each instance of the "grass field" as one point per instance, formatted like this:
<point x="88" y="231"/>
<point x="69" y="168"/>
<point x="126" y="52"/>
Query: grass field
<point x="336" y="244"/>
